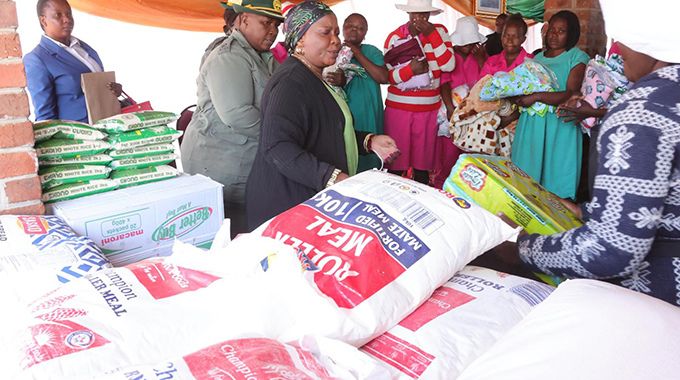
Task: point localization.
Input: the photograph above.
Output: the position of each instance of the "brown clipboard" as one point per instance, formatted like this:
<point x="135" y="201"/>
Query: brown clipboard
<point x="101" y="102"/>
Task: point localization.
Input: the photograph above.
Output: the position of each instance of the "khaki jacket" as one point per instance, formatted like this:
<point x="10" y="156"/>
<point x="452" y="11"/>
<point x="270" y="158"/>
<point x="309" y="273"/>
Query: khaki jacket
<point x="222" y="137"/>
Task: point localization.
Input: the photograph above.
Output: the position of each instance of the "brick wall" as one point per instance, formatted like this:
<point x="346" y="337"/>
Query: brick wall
<point x="593" y="39"/>
<point x="19" y="183"/>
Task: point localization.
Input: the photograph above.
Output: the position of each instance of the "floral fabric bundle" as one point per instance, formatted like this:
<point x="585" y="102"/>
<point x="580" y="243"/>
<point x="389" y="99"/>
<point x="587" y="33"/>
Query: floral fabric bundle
<point x="603" y="83"/>
<point x="527" y="78"/>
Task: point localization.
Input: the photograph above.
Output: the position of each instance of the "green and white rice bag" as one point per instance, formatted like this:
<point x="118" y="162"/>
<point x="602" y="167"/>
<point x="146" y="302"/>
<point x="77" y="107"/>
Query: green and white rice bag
<point x="143" y="162"/>
<point x="146" y="136"/>
<point x="77" y="190"/>
<point x="65" y="129"/>
<point x="134" y="177"/>
<point x="63" y="174"/>
<point x="126" y="122"/>
<point x="64" y="148"/>
<point x="95" y="159"/>
<point x="141" y="151"/>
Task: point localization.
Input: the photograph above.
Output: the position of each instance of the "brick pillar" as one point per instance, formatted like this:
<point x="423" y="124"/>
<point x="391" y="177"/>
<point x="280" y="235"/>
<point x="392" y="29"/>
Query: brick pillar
<point x="19" y="182"/>
<point x="593" y="39"/>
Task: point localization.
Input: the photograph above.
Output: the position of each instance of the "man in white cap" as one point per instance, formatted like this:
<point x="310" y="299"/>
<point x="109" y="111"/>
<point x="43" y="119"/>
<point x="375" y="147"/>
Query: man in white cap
<point x="631" y="234"/>
<point x="411" y="113"/>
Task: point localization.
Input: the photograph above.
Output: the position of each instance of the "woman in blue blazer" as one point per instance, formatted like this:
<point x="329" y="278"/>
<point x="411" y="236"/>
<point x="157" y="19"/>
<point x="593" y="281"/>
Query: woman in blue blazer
<point x="54" y="67"/>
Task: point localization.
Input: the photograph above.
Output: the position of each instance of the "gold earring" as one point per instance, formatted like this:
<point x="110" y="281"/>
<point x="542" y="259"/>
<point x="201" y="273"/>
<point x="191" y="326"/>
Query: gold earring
<point x="299" y="50"/>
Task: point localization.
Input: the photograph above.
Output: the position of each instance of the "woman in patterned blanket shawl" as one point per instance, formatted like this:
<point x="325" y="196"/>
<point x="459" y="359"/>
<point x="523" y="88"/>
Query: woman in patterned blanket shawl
<point x="631" y="234"/>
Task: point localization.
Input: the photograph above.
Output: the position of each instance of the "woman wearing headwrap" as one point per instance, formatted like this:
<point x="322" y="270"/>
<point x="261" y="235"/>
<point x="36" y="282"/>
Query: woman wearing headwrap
<point x="631" y="234"/>
<point x="221" y="139"/>
<point x="308" y="141"/>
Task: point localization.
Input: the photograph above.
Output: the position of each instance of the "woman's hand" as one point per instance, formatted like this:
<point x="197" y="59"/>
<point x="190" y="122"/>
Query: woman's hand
<point x="573" y="207"/>
<point x="525" y="100"/>
<point x="335" y="78"/>
<point x="419" y="66"/>
<point x="116" y="88"/>
<point x="423" y="26"/>
<point x="508" y="252"/>
<point x="479" y="54"/>
<point x="576" y="110"/>
<point x="341" y="177"/>
<point x="356" y="49"/>
<point x="385" y="147"/>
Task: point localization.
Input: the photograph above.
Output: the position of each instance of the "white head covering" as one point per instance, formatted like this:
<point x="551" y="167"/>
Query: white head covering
<point x="467" y="32"/>
<point x="648" y="27"/>
<point x="418" y="6"/>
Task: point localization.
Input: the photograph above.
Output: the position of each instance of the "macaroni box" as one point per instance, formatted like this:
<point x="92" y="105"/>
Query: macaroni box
<point x="139" y="222"/>
<point x="498" y="185"/>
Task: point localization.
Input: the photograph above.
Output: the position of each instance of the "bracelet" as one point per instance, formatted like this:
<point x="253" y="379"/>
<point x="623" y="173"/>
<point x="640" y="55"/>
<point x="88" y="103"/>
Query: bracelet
<point x="334" y="177"/>
<point x="367" y="142"/>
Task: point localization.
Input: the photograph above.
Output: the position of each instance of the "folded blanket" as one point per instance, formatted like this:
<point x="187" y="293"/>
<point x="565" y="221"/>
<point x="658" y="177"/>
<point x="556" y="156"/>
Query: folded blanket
<point x="475" y="124"/>
<point x="527" y="78"/>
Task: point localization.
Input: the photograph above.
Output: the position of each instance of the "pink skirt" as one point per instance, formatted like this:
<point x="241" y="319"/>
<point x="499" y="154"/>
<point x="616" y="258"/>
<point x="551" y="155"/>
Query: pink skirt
<point x="416" y="136"/>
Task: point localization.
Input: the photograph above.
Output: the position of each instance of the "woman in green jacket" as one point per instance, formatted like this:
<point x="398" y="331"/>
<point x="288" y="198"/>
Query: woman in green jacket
<point x="221" y="139"/>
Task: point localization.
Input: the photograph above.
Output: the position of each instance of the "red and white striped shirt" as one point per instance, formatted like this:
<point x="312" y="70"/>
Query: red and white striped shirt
<point x="439" y="53"/>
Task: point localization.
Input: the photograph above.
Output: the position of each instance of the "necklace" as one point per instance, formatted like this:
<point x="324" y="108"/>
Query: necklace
<point x="309" y="66"/>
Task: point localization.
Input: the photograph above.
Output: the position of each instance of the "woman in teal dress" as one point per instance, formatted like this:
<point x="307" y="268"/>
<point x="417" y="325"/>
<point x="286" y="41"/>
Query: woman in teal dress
<point x="546" y="147"/>
<point x="363" y="91"/>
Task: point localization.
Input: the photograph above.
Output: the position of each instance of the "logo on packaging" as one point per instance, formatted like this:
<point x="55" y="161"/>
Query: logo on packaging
<point x="462" y="203"/>
<point x="473" y="176"/>
<point x="33" y="225"/>
<point x="79" y="339"/>
<point x="495" y="168"/>
<point x="181" y="222"/>
<point x="516" y="169"/>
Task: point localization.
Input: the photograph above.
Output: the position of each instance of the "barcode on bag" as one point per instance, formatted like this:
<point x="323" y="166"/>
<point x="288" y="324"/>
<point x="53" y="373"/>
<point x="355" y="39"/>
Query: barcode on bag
<point x="532" y="293"/>
<point x="412" y="210"/>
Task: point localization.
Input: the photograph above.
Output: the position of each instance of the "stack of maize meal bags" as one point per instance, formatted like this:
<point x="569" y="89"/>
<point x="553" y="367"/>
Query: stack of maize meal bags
<point x="77" y="159"/>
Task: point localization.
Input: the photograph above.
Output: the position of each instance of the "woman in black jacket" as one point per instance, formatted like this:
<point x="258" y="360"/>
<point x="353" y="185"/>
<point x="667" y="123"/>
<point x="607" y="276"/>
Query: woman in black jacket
<point x="307" y="141"/>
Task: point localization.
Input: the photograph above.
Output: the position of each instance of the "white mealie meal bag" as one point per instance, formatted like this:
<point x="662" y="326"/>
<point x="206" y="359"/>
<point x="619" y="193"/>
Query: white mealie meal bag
<point x="348" y="264"/>
<point x="310" y="358"/>
<point x="587" y="330"/>
<point x="42" y="252"/>
<point x="379" y="245"/>
<point x="154" y="311"/>
<point x="461" y="320"/>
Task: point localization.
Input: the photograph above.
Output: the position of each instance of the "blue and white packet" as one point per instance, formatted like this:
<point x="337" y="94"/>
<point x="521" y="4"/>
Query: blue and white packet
<point x="46" y="244"/>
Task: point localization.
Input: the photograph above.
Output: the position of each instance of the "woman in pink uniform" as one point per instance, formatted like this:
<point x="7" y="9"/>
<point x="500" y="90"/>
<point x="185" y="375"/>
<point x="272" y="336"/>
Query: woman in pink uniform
<point x="513" y="55"/>
<point x="470" y="56"/>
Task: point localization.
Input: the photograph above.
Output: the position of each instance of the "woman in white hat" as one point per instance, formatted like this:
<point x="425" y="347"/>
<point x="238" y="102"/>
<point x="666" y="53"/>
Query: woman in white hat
<point x="469" y="52"/>
<point x="411" y="114"/>
<point x="470" y="56"/>
<point x="631" y="234"/>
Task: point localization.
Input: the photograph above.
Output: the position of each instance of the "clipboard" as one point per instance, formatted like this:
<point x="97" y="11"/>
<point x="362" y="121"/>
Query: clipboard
<point x="100" y="101"/>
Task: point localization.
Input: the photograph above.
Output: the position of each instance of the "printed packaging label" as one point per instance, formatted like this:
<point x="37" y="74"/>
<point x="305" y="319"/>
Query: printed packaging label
<point x="341" y="235"/>
<point x="400" y="354"/>
<point x="498" y="185"/>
